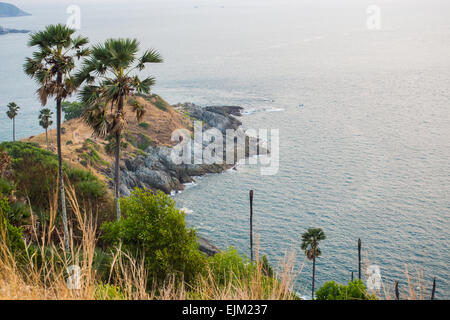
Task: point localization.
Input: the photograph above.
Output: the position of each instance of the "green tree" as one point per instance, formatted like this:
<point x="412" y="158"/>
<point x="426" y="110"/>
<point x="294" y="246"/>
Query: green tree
<point x="310" y="244"/>
<point x="13" y="111"/>
<point x="45" y="121"/>
<point x="110" y="74"/>
<point x="51" y="66"/>
<point x="153" y="228"/>
<point x="72" y="110"/>
<point x="355" y="290"/>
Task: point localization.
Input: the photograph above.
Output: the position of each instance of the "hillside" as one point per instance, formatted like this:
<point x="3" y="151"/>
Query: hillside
<point x="83" y="149"/>
<point x="10" y="10"/>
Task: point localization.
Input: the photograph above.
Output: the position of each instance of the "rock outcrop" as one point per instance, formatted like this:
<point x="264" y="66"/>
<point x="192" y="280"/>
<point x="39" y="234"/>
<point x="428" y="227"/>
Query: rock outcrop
<point x="156" y="170"/>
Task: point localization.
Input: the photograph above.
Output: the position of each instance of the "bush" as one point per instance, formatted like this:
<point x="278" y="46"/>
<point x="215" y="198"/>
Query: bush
<point x="72" y="110"/>
<point x="355" y="290"/>
<point x="144" y="142"/>
<point x="161" y="105"/>
<point x="35" y="172"/>
<point x="12" y="236"/>
<point x="144" y="125"/>
<point x="6" y="187"/>
<point x="153" y="228"/>
<point x="229" y="266"/>
<point x="105" y="291"/>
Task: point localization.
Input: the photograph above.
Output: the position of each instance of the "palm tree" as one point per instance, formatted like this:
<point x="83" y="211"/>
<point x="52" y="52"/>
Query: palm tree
<point x="45" y="121"/>
<point x="13" y="111"/>
<point x="51" y="67"/>
<point x="110" y="74"/>
<point x="310" y="244"/>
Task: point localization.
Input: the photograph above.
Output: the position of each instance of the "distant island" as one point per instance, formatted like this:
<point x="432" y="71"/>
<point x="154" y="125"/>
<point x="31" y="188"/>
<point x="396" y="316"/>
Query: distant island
<point x="10" y="10"/>
<point x="6" y="31"/>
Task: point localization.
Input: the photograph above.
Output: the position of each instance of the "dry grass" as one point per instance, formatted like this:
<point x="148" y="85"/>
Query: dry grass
<point x="43" y="274"/>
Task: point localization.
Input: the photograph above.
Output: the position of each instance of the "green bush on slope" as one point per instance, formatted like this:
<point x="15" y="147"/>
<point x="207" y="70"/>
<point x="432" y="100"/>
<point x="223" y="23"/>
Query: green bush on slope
<point x="355" y="290"/>
<point x="154" y="228"/>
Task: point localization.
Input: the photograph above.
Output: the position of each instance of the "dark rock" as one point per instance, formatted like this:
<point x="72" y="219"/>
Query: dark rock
<point x="207" y="247"/>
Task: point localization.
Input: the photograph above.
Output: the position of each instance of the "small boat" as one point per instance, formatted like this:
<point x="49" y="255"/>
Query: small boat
<point x="300" y="105"/>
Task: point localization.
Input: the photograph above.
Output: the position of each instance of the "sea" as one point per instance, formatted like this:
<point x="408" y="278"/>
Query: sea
<point x="358" y="89"/>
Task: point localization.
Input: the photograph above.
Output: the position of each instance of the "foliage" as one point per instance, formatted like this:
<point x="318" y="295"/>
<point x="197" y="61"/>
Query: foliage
<point x="153" y="228"/>
<point x="35" y="173"/>
<point x="355" y="290"/>
<point x="161" y="105"/>
<point x="12" y="236"/>
<point x="144" y="125"/>
<point x="6" y="187"/>
<point x="310" y="242"/>
<point x="228" y="266"/>
<point x="13" y="110"/>
<point x="45" y="118"/>
<point x="106" y="291"/>
<point x="72" y="110"/>
<point x="110" y="147"/>
<point x="144" y="142"/>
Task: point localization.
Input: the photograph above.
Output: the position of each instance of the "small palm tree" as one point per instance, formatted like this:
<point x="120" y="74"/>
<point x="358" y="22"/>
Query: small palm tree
<point x="45" y="121"/>
<point x="13" y="111"/>
<point x="110" y="76"/>
<point x="310" y="244"/>
<point x="51" y="66"/>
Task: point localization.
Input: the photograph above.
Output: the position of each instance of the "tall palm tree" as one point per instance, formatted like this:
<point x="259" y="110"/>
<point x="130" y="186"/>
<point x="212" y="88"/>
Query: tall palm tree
<point x="110" y="73"/>
<point x="51" y="66"/>
<point x="310" y="244"/>
<point x="13" y="111"/>
<point x="45" y="121"/>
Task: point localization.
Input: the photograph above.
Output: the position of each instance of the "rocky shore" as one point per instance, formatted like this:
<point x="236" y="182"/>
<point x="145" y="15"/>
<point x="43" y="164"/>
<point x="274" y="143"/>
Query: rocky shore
<point x="157" y="171"/>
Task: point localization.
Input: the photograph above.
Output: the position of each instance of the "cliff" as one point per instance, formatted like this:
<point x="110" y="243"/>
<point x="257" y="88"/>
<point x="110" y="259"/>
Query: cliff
<point x="147" y="146"/>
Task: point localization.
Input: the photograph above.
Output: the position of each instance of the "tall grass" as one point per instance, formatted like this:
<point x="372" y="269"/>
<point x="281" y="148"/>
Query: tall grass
<point x="42" y="271"/>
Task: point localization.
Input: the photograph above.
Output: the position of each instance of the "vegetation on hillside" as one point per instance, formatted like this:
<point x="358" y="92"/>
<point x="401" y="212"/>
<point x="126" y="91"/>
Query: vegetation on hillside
<point x="110" y="76"/>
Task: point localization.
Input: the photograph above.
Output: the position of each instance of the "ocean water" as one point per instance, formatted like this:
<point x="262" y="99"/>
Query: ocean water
<point x="368" y="155"/>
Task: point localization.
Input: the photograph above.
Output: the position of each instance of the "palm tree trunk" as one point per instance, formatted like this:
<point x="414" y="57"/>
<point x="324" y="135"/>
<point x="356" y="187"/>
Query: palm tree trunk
<point x="117" y="163"/>
<point x="14" y="129"/>
<point x="359" y="259"/>
<point x="46" y="138"/>
<point x="61" y="174"/>
<point x="313" y="278"/>
<point x="251" y="226"/>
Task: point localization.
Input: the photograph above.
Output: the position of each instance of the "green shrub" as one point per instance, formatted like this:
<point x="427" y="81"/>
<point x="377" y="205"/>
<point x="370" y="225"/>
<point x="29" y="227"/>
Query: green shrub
<point x="161" y="105"/>
<point x="6" y="187"/>
<point x="144" y="142"/>
<point x="106" y="291"/>
<point x="152" y="227"/>
<point x="144" y="125"/>
<point x="72" y="110"/>
<point x="355" y="290"/>
<point x="229" y="266"/>
<point x="69" y="142"/>
<point x="12" y="236"/>
<point x="35" y="172"/>
<point x="110" y="147"/>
